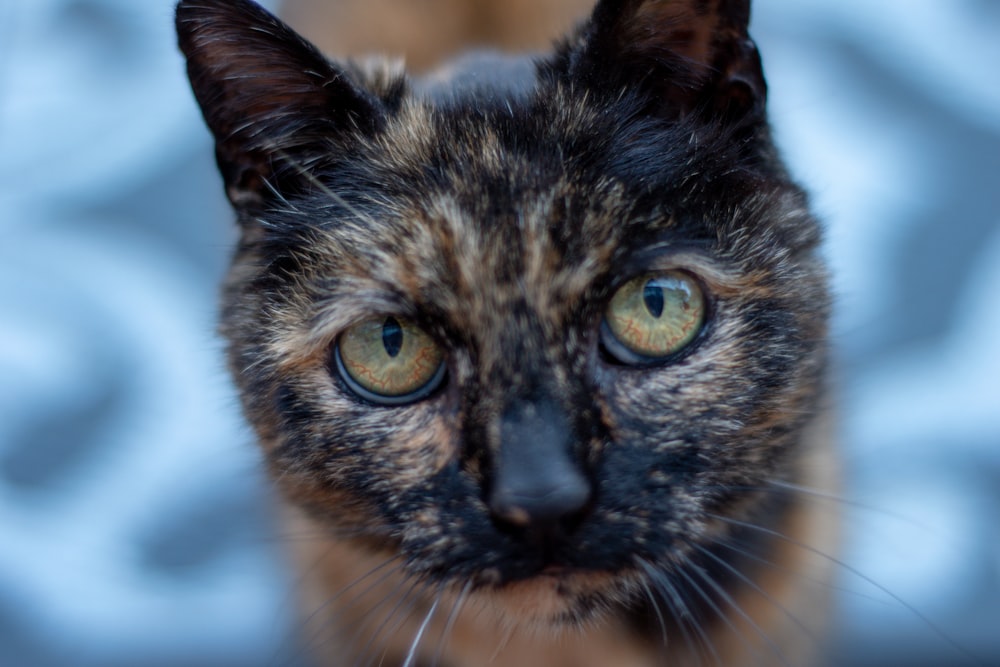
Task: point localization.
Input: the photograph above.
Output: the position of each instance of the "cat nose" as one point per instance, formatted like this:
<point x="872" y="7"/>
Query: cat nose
<point x="536" y="483"/>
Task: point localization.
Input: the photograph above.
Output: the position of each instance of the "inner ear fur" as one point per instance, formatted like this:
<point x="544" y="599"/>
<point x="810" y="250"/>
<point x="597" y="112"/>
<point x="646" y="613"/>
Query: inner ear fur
<point x="692" y="56"/>
<point x="268" y="96"/>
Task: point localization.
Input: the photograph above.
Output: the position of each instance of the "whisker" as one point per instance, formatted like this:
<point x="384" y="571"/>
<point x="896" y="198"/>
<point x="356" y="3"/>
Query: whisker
<point x="832" y="497"/>
<point x="284" y="646"/>
<point x="449" y="625"/>
<point x="406" y="599"/>
<point x="857" y="573"/>
<point x="756" y="587"/>
<point x="681" y="616"/>
<point x="415" y="644"/>
<point x="682" y="613"/>
<point x="332" y="599"/>
<point x="722" y="593"/>
<point x="316" y="635"/>
<point x="653" y="601"/>
<point x="782" y="486"/>
<point x="504" y="640"/>
<point x="732" y="545"/>
<point x="713" y="606"/>
<point x="779" y="486"/>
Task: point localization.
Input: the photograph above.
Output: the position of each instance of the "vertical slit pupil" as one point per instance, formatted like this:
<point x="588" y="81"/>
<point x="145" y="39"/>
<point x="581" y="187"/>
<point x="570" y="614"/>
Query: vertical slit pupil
<point x="392" y="336"/>
<point x="653" y="297"/>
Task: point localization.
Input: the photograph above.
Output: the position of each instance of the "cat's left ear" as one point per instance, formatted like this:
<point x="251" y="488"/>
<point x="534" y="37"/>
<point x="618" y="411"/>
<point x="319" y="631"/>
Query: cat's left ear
<point x="271" y="99"/>
<point x="691" y="56"/>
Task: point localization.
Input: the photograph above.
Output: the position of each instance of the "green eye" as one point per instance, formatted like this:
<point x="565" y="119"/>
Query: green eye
<point x="390" y="361"/>
<point x="653" y="317"/>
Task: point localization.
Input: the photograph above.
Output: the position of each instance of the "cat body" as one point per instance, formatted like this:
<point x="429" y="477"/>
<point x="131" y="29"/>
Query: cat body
<point x="535" y="349"/>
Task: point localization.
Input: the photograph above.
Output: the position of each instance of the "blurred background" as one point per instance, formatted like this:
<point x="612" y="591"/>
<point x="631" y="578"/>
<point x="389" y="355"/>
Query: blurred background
<point x="134" y="527"/>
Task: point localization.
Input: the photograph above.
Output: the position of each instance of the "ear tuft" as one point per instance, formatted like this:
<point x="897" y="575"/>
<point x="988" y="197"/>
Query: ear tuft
<point x="268" y="96"/>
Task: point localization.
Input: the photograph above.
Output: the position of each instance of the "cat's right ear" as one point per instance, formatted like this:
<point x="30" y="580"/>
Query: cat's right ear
<point x="271" y="99"/>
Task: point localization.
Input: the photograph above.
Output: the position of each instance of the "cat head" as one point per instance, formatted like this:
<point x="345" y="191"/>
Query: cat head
<point x="537" y="329"/>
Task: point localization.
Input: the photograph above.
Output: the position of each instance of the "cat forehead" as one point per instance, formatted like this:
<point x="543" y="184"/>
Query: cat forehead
<point x="477" y="210"/>
<point x="470" y="136"/>
<point x="478" y="250"/>
<point x="511" y="167"/>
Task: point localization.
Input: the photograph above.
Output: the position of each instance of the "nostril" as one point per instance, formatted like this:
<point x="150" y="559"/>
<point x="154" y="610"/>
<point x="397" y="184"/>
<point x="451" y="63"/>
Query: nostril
<point x="553" y="501"/>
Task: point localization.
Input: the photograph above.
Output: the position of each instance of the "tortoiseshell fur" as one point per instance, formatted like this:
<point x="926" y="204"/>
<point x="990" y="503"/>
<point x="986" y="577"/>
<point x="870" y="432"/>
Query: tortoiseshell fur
<point x="500" y="212"/>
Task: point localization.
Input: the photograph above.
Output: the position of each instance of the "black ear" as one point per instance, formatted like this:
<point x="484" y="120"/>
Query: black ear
<point x="692" y="56"/>
<point x="271" y="100"/>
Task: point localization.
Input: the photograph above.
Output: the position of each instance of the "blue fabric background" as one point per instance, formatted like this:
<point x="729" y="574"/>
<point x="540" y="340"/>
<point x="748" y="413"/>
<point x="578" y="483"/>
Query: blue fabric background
<point x="134" y="527"/>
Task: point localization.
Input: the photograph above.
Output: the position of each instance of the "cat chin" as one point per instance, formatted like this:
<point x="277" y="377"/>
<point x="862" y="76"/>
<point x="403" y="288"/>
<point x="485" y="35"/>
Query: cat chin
<point x="554" y="602"/>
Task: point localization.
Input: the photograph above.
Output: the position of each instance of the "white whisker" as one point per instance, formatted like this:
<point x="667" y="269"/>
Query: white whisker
<point x="656" y="606"/>
<point x="315" y="638"/>
<point x="449" y="625"/>
<point x="724" y="595"/>
<point x="756" y="587"/>
<point x="415" y="644"/>
<point x="707" y="599"/>
<point x="409" y="599"/>
<point x="681" y="613"/>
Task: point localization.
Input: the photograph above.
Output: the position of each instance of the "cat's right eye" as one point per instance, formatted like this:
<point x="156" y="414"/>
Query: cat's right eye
<point x="389" y="360"/>
<point x="653" y="317"/>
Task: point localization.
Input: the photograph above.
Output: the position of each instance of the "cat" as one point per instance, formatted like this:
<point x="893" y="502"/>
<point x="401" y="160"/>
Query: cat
<point x="535" y="348"/>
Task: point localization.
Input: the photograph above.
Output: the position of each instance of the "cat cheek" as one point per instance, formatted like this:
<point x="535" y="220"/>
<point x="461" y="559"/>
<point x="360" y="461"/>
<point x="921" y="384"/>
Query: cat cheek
<point x="425" y="448"/>
<point x="394" y="456"/>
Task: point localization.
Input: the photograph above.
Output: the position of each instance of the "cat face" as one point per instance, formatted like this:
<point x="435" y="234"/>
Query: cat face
<point x="536" y="336"/>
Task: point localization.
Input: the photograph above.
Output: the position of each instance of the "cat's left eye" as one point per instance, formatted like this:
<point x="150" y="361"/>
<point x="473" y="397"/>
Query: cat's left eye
<point x="389" y="360"/>
<point x="653" y="317"/>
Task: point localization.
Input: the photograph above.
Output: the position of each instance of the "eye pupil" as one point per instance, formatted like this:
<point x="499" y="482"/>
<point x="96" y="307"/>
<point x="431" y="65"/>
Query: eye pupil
<point x="652" y="317"/>
<point x="392" y="336"/>
<point x="653" y="298"/>
<point x="388" y="360"/>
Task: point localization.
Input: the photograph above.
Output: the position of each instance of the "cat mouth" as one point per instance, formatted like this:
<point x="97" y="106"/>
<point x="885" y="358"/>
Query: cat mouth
<point x="551" y="565"/>
<point x="556" y="596"/>
<point x="544" y="551"/>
